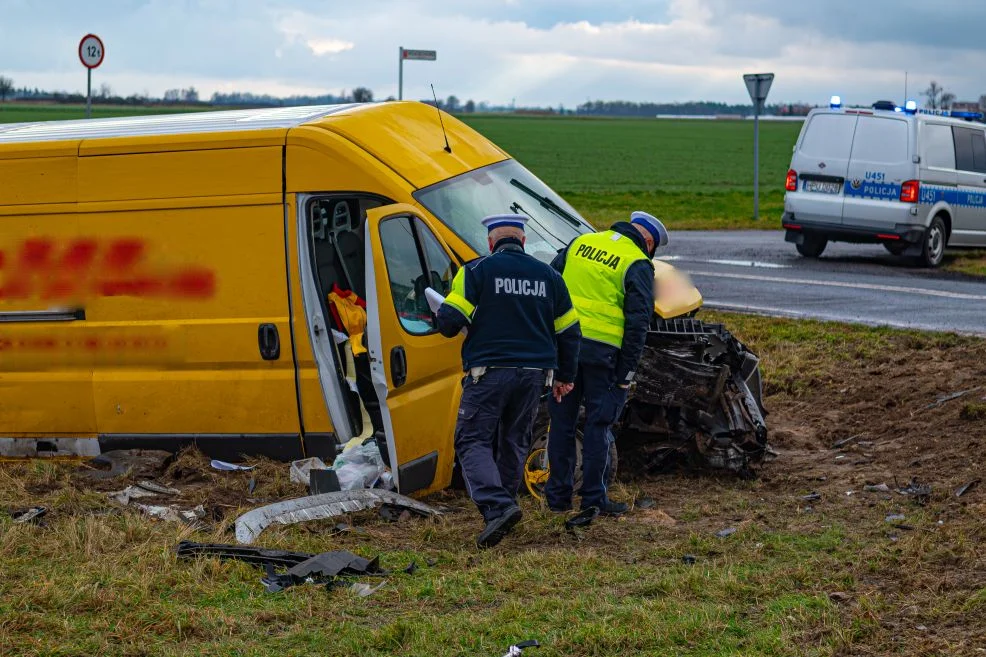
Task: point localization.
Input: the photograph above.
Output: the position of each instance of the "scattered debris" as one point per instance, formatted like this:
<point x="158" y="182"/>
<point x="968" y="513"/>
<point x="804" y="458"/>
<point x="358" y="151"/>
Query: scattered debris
<point x="228" y="467"/>
<point x="141" y="489"/>
<point x="646" y="503"/>
<point x="172" y="513"/>
<point x="920" y="492"/>
<point x="845" y="441"/>
<point x="365" y="590"/>
<point x="728" y="531"/>
<point x="688" y="559"/>
<point x="811" y="497"/>
<point x="583" y="518"/>
<point x="321" y="507"/>
<point x="517" y="649"/>
<point x="894" y="517"/>
<point x="876" y="488"/>
<point x="300" y="567"/>
<point x="839" y="596"/>
<point x="947" y="398"/>
<point x="655" y="517"/>
<point x="32" y="515"/>
<point x="966" y="488"/>
<point x="840" y="457"/>
<point x="122" y="462"/>
<point x="300" y="469"/>
<point x="921" y="628"/>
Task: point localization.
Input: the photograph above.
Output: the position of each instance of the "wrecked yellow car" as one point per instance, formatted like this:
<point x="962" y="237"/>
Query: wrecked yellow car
<point x="190" y="278"/>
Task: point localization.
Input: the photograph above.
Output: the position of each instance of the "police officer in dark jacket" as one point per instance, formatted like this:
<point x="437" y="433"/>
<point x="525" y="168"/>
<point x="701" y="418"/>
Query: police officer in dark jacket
<point x="520" y="328"/>
<point x="610" y="277"/>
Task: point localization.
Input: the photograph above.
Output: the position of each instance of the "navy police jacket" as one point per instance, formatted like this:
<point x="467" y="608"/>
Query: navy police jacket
<point x="638" y="308"/>
<point x="518" y="313"/>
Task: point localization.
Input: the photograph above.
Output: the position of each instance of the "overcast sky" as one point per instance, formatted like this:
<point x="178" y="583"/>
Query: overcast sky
<point x="538" y="52"/>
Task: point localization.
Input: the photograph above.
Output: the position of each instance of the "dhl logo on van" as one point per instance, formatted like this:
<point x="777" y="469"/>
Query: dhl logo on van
<point x="87" y="267"/>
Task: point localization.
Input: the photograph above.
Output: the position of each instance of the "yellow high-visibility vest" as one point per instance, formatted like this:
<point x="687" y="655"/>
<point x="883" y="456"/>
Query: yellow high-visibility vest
<point x="595" y="266"/>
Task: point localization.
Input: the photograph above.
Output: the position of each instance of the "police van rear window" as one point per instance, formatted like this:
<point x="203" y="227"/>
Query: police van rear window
<point x="828" y="136"/>
<point x="880" y="139"/>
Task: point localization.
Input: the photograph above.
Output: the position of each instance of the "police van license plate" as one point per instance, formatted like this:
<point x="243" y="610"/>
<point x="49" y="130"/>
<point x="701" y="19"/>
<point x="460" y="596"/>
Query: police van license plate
<point x="822" y="186"/>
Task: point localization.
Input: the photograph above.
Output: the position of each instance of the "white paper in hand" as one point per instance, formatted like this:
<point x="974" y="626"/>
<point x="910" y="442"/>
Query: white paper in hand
<point x="435" y="301"/>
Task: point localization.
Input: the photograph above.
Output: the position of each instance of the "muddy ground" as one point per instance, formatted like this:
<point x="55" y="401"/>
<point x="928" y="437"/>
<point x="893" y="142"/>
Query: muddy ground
<point x="891" y="416"/>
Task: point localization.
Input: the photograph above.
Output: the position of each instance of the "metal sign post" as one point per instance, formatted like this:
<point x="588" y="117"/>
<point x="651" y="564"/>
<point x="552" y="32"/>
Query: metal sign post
<point x="758" y="84"/>
<point x="402" y="54"/>
<point x="91" y="53"/>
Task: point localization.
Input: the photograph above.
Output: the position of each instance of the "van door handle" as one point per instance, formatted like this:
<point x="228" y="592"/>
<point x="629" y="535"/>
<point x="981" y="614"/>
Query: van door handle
<point x="398" y="366"/>
<point x="269" y="341"/>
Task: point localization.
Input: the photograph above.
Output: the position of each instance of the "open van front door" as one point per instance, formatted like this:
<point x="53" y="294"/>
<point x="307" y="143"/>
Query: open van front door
<point x="416" y="371"/>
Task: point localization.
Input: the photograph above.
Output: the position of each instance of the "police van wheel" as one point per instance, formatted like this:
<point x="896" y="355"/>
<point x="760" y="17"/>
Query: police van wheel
<point x="935" y="239"/>
<point x="812" y="246"/>
<point x="536" y="465"/>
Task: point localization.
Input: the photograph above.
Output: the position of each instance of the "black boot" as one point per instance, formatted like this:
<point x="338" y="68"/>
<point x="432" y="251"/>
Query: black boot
<point x="499" y="527"/>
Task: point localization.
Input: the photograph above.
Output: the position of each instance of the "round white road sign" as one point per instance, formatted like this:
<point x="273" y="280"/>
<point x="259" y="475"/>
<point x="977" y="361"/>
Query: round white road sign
<point x="91" y="51"/>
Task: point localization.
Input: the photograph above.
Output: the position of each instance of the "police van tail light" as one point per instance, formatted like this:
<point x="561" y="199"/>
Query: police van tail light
<point x="909" y="191"/>
<point x="791" y="184"/>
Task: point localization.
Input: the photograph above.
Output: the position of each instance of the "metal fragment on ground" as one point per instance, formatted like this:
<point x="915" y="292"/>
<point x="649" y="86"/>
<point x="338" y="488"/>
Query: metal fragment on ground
<point x="32" y="515"/>
<point x="920" y="492"/>
<point x="877" y="488"/>
<point x="894" y="517"/>
<point x="811" y="497"/>
<point x="228" y="467"/>
<point x="365" y="590"/>
<point x="728" y="531"/>
<point x="172" y="513"/>
<point x="321" y="507"/>
<point x="968" y="487"/>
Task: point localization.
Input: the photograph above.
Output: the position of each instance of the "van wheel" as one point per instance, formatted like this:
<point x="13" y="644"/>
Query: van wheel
<point x="935" y="239"/>
<point x="895" y="248"/>
<point x="812" y="246"/>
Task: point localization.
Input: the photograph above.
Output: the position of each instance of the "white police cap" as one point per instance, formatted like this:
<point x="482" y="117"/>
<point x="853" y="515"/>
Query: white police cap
<point x="505" y="220"/>
<point x="653" y="226"/>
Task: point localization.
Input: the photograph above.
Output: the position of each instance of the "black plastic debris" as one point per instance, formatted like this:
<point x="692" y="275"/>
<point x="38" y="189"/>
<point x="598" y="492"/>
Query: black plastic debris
<point x="32" y="515"/>
<point x="689" y="559"/>
<point x="323" y="481"/>
<point x="811" y="497"/>
<point x="583" y="518"/>
<point x="298" y="567"/>
<point x="962" y="490"/>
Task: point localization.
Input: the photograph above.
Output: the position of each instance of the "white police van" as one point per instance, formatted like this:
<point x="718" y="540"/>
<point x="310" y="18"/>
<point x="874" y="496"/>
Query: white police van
<point x="913" y="180"/>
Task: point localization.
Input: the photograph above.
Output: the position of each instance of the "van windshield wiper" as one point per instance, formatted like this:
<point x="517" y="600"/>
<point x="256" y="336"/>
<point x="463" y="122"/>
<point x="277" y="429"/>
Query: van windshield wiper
<point x="547" y="203"/>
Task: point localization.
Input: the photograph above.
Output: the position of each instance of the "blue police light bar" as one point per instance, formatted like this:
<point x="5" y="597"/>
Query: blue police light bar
<point x="911" y="107"/>
<point x="835" y="102"/>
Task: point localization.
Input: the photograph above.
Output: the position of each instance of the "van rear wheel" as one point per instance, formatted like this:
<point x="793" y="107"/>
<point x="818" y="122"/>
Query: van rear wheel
<point x="935" y="239"/>
<point x="812" y="246"/>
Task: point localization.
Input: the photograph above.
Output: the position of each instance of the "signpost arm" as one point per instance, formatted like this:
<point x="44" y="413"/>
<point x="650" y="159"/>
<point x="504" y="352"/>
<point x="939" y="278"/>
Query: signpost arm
<point x="88" y="93"/>
<point x="400" y="73"/>
<point x="756" y="156"/>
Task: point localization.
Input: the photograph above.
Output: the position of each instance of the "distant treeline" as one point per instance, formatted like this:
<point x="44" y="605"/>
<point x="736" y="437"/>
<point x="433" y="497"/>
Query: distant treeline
<point x="185" y="97"/>
<point x="700" y="108"/>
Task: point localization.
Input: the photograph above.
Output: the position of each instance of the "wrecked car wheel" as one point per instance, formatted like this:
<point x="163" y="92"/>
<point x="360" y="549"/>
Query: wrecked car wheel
<point x="536" y="465"/>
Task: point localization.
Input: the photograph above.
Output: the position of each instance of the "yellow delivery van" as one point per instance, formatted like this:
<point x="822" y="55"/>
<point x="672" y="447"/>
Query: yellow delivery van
<point x="189" y="278"/>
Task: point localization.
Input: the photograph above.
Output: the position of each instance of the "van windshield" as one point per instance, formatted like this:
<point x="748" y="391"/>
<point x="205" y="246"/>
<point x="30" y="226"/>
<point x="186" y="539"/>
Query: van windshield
<point x="503" y="188"/>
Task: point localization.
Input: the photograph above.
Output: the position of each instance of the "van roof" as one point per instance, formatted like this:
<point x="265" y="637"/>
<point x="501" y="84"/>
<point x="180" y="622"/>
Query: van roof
<point x="167" y="124"/>
<point x="869" y="111"/>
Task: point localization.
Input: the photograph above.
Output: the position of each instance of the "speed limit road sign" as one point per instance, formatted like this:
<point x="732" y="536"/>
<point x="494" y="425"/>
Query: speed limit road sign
<point x="91" y="51"/>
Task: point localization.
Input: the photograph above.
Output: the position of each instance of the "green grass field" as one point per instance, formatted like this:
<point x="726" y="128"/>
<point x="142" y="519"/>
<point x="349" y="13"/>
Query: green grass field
<point x="692" y="173"/>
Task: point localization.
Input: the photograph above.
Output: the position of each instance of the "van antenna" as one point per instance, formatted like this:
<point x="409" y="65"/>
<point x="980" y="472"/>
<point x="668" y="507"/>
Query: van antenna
<point x="448" y="149"/>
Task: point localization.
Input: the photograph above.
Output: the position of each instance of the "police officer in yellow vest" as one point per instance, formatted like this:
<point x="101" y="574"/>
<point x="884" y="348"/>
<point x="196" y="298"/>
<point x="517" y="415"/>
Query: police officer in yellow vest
<point x="610" y="278"/>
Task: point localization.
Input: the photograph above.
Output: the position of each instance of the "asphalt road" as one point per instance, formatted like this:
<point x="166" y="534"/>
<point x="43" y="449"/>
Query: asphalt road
<point x="757" y="271"/>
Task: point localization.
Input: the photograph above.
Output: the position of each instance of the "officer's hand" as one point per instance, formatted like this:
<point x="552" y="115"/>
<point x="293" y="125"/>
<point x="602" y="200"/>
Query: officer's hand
<point x="560" y="389"/>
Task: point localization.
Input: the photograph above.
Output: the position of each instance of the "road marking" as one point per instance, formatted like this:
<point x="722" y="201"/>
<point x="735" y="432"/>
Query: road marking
<point x="856" y="286"/>
<point x="730" y="263"/>
<point x="771" y="311"/>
